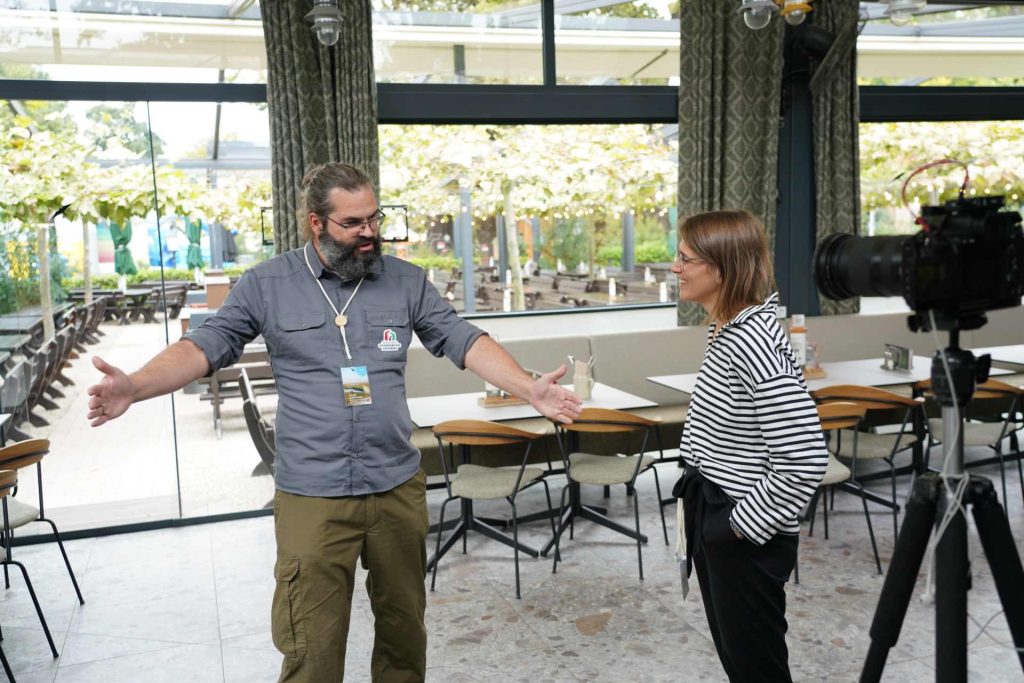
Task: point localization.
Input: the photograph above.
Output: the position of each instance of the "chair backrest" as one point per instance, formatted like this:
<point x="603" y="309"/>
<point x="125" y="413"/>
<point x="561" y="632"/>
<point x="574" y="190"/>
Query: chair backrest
<point x="481" y="433"/>
<point x="870" y="398"/>
<point x="259" y="431"/>
<point x="8" y="480"/>
<point x="23" y="453"/>
<point x="14" y="391"/>
<point x="607" y="420"/>
<point x="840" y="415"/>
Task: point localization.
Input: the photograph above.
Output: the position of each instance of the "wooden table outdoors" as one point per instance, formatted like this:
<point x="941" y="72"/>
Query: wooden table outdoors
<point x="13" y="343"/>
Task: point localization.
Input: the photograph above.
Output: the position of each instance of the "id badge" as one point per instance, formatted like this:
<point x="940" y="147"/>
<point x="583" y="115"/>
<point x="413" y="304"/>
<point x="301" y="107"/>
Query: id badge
<point x="355" y="381"/>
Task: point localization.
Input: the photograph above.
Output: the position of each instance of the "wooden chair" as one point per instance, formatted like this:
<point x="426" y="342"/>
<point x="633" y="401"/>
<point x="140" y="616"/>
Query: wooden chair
<point x="836" y="417"/>
<point x="873" y="445"/>
<point x="470" y="482"/>
<point x="8" y="483"/>
<point x="604" y="470"/>
<point x="18" y="456"/>
<point x="14" y="399"/>
<point x="260" y="429"/>
<point x="992" y="432"/>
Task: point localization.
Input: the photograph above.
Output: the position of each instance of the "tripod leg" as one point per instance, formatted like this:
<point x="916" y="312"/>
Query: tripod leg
<point x="997" y="541"/>
<point x="951" y="577"/>
<point x="903" y="569"/>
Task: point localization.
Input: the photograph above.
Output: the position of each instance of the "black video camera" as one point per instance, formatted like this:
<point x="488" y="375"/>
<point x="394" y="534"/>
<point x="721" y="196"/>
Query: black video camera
<point x="969" y="259"/>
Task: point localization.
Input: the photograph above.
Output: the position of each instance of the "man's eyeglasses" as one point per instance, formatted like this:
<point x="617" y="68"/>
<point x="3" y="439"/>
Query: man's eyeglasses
<point x="686" y="260"/>
<point x="373" y="222"/>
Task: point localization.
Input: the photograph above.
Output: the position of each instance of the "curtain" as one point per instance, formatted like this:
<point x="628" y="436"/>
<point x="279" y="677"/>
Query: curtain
<point x="836" y="145"/>
<point x="322" y="102"/>
<point x="729" y="104"/>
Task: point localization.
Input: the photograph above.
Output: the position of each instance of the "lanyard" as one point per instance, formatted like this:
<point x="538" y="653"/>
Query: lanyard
<point x="340" y="319"/>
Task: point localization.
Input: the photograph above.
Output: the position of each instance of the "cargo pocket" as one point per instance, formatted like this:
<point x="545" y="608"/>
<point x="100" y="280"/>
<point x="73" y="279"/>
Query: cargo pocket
<point x="287" y="624"/>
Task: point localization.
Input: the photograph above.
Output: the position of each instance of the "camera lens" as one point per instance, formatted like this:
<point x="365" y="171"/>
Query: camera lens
<point x="846" y="266"/>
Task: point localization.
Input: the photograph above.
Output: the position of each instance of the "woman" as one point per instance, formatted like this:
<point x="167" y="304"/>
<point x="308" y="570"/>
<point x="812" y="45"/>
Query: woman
<point x="752" y="443"/>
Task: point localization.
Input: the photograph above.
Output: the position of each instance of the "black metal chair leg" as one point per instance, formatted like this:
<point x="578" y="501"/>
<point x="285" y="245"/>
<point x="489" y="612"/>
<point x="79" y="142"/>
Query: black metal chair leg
<point x="813" y="511"/>
<point x="825" y="509"/>
<point x="7" y="667"/>
<point x="661" y="509"/>
<point x="67" y="562"/>
<point x="558" y="533"/>
<point x="437" y="550"/>
<point x="35" y="602"/>
<point x="895" y="510"/>
<point x="871" y="534"/>
<point x="515" y="541"/>
<point x="639" y="544"/>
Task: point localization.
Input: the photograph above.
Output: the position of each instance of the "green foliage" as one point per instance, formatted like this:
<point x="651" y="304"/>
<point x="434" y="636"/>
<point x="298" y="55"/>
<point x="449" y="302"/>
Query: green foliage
<point x="115" y="127"/>
<point x="646" y="252"/>
<point x="435" y="262"/>
<point x="19" y="271"/>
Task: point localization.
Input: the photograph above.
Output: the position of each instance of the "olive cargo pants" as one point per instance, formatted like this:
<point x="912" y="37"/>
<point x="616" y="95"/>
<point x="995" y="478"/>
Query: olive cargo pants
<point x="319" y="541"/>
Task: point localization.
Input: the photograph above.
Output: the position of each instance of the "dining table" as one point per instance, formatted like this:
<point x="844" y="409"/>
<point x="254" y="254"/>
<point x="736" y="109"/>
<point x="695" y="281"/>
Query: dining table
<point x="864" y="372"/>
<point x="429" y="411"/>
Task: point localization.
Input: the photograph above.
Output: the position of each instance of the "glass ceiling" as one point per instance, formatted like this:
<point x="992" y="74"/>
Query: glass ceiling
<point x="221" y="40"/>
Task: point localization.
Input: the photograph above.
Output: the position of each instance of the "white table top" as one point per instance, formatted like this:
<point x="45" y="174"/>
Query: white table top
<point x="868" y="372"/>
<point x="428" y="411"/>
<point x="1013" y="354"/>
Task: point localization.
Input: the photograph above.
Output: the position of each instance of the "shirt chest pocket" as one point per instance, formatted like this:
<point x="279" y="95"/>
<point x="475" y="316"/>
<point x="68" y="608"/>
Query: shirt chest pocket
<point x="390" y="335"/>
<point x="300" y="337"/>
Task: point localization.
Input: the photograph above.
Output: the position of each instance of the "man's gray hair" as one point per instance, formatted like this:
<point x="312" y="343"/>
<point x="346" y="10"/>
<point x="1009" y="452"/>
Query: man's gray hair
<point x="317" y="185"/>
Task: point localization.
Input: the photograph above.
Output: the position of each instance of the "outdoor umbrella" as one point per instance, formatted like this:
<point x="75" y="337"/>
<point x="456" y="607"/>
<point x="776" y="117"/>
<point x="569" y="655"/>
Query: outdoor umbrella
<point x="193" y="230"/>
<point x="123" y="262"/>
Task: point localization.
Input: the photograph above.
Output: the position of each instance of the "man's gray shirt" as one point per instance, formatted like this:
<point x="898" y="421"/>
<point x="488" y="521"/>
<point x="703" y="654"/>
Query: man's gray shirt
<point x="325" y="448"/>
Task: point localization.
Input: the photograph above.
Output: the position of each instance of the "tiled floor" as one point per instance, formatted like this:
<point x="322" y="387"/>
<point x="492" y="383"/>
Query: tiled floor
<point x="193" y="604"/>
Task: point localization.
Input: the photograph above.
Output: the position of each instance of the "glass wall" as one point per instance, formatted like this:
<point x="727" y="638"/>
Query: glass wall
<point x="577" y="206"/>
<point x="960" y="46"/>
<point x="457" y="42"/>
<point x="890" y="152"/>
<point x="151" y="41"/>
<point x="140" y="237"/>
<point x="617" y="43"/>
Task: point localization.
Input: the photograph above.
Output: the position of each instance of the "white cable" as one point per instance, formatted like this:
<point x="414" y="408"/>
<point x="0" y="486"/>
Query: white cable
<point x="956" y="502"/>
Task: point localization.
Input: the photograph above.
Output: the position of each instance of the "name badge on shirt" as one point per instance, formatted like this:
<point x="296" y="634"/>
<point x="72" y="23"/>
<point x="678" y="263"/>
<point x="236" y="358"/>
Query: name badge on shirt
<point x="355" y="381"/>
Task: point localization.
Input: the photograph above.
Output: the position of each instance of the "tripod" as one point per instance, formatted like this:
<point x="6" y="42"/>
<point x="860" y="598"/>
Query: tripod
<point x="929" y="500"/>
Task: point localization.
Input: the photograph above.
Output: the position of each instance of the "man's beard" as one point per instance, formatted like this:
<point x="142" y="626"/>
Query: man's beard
<point x="346" y="261"/>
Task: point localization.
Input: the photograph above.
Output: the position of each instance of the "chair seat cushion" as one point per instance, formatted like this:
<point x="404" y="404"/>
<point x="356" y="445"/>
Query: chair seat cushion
<point x="604" y="470"/>
<point x="20" y="514"/>
<point x="835" y="472"/>
<point x="871" y="446"/>
<point x="975" y="433"/>
<point x="482" y="483"/>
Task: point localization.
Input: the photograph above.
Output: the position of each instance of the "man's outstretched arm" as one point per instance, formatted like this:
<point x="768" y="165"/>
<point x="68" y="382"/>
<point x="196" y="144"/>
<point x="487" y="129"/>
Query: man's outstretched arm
<point x="492" y="362"/>
<point x="170" y="370"/>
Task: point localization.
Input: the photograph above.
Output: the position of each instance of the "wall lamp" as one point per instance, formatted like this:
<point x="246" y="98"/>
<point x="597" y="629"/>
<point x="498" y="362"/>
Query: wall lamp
<point x="900" y="12"/>
<point x="758" y="13"/>
<point x="326" y="20"/>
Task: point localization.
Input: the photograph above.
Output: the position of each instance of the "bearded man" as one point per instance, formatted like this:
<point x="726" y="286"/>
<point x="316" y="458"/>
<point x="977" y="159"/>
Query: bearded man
<point x="337" y="318"/>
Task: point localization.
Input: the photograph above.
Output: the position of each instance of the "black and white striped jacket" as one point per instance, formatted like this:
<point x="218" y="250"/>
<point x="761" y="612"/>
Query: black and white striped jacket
<point x="752" y="428"/>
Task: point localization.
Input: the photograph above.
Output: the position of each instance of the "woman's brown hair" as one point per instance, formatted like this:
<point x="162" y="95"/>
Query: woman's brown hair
<point x="733" y="242"/>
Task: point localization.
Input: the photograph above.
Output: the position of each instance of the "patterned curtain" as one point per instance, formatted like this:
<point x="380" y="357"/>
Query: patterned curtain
<point x="836" y="145"/>
<point x="322" y="101"/>
<point x="729" y="102"/>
